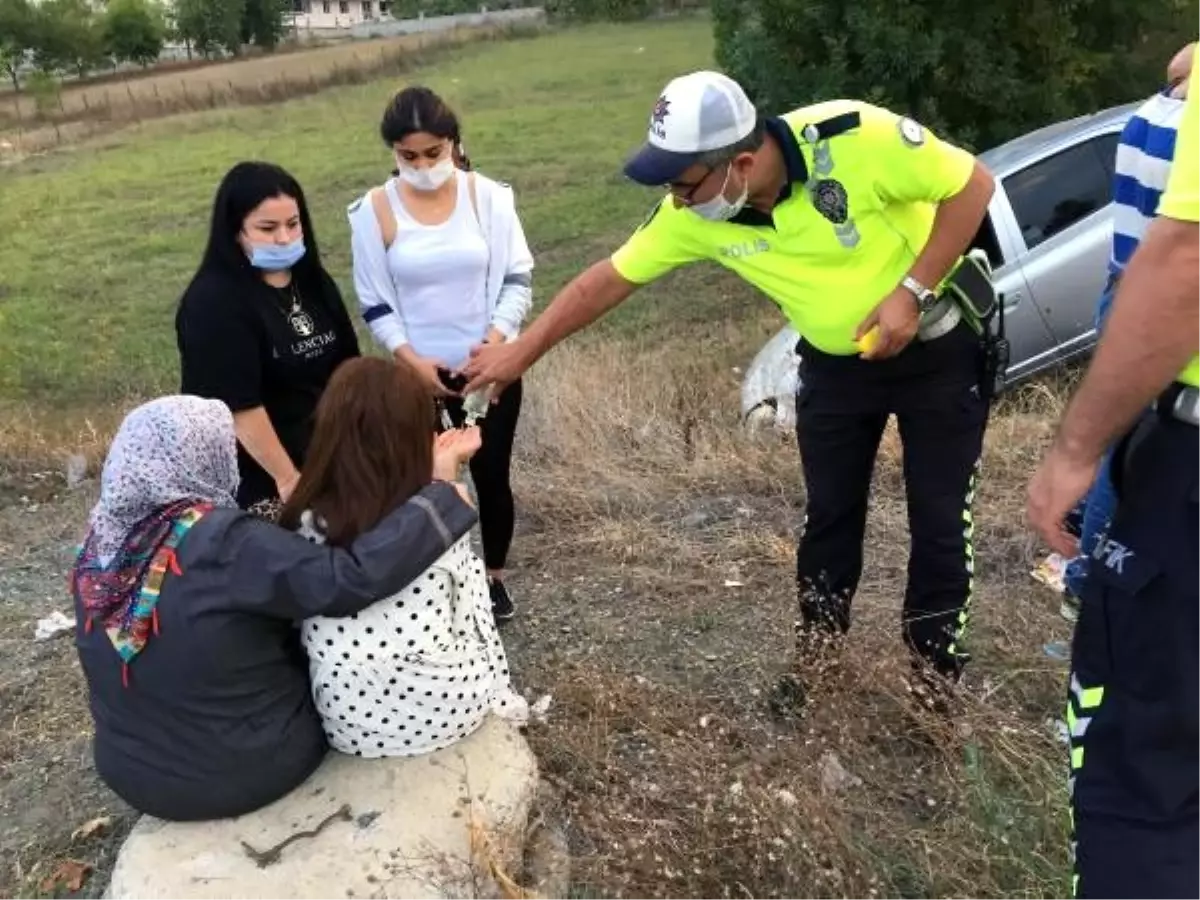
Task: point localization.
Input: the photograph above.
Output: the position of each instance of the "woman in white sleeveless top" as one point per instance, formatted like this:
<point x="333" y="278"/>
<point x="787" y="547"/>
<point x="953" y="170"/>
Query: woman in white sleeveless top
<point x="441" y="265"/>
<point x="421" y="669"/>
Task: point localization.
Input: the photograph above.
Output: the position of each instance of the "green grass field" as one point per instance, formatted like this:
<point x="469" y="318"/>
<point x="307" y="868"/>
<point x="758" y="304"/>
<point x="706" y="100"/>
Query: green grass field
<point x="100" y="240"/>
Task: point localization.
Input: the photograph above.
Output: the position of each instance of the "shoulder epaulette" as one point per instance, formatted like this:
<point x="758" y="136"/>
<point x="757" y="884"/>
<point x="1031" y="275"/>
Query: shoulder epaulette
<point x="823" y="131"/>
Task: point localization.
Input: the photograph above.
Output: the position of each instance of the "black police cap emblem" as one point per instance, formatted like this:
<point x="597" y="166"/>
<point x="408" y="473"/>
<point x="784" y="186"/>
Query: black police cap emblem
<point x="829" y="197"/>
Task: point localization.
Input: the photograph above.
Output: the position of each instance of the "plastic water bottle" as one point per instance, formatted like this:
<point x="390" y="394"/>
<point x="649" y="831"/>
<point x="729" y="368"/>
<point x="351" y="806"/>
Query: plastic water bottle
<point x="475" y="405"/>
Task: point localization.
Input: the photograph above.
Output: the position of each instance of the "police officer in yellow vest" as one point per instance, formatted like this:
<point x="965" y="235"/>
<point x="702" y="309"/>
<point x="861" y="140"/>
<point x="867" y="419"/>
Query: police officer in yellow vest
<point x="849" y="218"/>
<point x="1133" y="703"/>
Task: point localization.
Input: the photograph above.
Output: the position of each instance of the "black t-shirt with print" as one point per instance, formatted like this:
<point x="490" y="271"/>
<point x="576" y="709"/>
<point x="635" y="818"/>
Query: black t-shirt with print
<point x="240" y="342"/>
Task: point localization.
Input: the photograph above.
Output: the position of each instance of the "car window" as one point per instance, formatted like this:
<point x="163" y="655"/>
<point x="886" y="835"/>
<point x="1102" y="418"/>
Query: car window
<point x="1106" y="146"/>
<point x="1056" y="192"/>
<point x="985" y="240"/>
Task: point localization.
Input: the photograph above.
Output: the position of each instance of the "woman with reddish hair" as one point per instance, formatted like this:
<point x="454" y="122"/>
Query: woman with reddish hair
<point x="421" y="668"/>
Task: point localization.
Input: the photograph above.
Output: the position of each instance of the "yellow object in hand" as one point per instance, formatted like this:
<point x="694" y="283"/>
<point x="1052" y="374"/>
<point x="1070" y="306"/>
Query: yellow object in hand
<point x="870" y="340"/>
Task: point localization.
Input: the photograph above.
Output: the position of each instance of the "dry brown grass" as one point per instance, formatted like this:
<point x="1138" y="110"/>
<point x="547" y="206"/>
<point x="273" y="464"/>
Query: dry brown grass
<point x="35" y="445"/>
<point x="622" y="423"/>
<point x="94" y="108"/>
<point x="669" y="767"/>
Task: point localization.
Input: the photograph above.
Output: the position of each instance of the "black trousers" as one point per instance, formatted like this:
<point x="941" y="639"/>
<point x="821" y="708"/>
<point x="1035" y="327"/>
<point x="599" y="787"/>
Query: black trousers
<point x="490" y="470"/>
<point x="1133" y="704"/>
<point x="842" y="406"/>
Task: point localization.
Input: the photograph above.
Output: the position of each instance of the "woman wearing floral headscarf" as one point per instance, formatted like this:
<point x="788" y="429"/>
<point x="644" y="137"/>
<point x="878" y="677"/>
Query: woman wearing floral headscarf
<point x="197" y="682"/>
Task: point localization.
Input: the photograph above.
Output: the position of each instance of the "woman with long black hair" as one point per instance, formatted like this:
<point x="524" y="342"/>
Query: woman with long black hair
<point x="262" y="327"/>
<point x="441" y="265"/>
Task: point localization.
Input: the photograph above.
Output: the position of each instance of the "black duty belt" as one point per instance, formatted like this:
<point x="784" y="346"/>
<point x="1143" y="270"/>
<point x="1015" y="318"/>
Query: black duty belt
<point x="1180" y="402"/>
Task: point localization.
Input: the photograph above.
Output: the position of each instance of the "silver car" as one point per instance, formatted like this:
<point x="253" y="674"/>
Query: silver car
<point x="1048" y="234"/>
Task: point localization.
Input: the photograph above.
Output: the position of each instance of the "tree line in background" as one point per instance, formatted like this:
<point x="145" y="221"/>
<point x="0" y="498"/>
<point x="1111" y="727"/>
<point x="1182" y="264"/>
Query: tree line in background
<point x="980" y="72"/>
<point x="617" y="10"/>
<point x="79" y="37"/>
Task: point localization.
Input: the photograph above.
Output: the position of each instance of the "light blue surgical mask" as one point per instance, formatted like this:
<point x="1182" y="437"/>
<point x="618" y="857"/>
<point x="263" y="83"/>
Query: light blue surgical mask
<point x="277" y="257"/>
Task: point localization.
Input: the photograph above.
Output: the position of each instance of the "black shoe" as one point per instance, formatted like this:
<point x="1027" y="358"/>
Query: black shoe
<point x="502" y="605"/>
<point x="788" y="697"/>
<point x="935" y="691"/>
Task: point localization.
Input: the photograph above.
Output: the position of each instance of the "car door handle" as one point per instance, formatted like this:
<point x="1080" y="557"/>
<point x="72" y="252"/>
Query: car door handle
<point x="1012" y="300"/>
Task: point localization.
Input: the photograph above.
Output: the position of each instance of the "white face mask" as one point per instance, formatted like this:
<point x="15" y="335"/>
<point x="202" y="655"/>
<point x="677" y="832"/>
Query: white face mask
<point x="428" y="179"/>
<point x="718" y="209"/>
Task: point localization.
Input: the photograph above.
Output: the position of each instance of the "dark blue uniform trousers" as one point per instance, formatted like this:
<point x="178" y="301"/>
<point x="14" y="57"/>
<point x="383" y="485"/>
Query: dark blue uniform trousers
<point x="1133" y="700"/>
<point x="842" y="406"/>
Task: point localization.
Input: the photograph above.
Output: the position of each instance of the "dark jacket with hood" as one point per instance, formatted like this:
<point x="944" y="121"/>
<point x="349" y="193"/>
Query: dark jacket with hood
<point x="217" y="719"/>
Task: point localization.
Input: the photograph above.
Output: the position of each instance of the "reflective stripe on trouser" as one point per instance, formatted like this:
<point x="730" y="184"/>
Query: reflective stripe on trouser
<point x="841" y="412"/>
<point x="1134" y="702"/>
<point x="959" y="629"/>
<point x="1082" y="704"/>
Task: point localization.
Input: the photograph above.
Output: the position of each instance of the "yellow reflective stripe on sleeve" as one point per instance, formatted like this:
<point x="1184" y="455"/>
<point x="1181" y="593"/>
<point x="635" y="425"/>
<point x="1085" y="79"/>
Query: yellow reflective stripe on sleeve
<point x="1076" y="757"/>
<point x="1181" y="199"/>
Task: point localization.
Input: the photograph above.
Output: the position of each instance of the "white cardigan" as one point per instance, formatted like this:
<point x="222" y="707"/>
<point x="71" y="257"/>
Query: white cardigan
<point x="510" y="265"/>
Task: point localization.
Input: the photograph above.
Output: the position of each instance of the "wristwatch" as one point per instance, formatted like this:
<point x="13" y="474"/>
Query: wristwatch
<point x="924" y="296"/>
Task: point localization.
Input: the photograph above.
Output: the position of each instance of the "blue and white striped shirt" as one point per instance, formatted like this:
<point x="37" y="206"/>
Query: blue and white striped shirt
<point x="1144" y="155"/>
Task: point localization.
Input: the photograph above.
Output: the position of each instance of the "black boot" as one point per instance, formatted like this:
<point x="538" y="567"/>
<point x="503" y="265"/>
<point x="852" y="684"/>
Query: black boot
<point x="817" y="655"/>
<point x="502" y="604"/>
<point x="936" y="691"/>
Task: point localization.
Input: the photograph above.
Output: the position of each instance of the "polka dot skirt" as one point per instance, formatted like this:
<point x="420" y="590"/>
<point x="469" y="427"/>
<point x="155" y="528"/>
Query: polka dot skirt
<point x="414" y="672"/>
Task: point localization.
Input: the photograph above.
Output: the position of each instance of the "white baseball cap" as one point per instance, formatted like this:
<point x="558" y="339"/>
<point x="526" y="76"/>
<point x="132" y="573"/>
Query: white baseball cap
<point x="695" y="113"/>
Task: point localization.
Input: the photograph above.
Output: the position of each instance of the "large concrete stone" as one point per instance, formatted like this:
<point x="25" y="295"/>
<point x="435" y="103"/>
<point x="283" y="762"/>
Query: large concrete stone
<point x="440" y="825"/>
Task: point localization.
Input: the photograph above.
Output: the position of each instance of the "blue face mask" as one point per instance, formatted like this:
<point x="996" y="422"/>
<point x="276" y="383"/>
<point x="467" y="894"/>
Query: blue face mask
<point x="277" y="257"/>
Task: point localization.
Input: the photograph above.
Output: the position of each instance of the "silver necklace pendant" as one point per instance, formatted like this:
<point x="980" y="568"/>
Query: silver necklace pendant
<point x="300" y="321"/>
